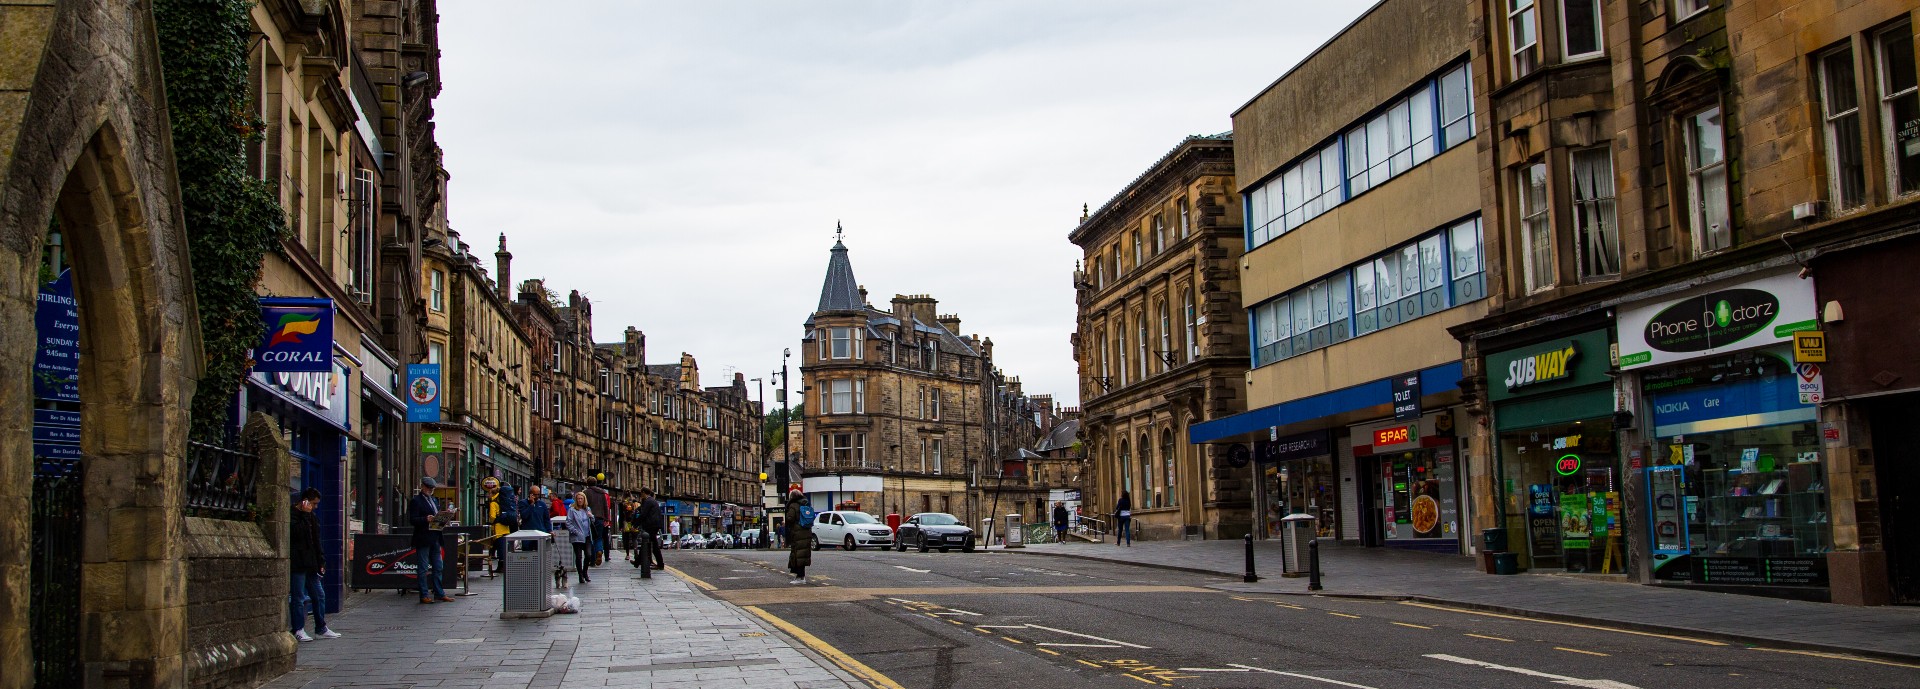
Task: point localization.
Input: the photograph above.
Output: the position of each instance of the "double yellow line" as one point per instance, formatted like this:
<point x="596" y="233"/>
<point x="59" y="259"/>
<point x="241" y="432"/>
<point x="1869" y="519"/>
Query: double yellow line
<point x="846" y="662"/>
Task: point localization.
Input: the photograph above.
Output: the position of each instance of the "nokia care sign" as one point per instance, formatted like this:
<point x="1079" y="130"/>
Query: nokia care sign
<point x="1717" y="318"/>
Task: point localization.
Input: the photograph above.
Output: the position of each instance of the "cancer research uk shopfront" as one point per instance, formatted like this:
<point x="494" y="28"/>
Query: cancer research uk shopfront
<point x="1735" y="486"/>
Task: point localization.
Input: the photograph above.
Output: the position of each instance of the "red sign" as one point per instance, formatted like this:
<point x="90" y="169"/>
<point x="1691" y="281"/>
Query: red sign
<point x="1393" y="436"/>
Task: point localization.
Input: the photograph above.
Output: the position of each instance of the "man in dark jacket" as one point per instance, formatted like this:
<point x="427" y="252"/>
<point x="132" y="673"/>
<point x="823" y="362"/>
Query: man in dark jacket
<point x="423" y="514"/>
<point x="651" y="520"/>
<point x="309" y="565"/>
<point x="1060" y="522"/>
<point x="533" y="511"/>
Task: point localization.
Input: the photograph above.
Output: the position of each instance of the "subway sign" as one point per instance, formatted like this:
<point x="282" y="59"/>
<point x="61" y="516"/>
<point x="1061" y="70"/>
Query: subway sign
<point x="1717" y="318"/>
<point x="1544" y="367"/>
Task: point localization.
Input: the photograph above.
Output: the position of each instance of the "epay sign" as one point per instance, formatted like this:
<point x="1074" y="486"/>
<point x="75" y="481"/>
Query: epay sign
<point x="1717" y="318"/>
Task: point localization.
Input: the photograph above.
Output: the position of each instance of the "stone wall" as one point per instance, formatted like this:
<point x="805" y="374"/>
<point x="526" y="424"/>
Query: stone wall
<point x="237" y="580"/>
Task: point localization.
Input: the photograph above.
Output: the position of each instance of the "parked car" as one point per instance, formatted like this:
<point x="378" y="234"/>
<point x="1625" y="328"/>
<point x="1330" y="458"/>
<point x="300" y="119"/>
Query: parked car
<point x="934" y="530"/>
<point x="850" y="530"/>
<point x="749" y="538"/>
<point x="693" y="541"/>
<point x="719" y="541"/>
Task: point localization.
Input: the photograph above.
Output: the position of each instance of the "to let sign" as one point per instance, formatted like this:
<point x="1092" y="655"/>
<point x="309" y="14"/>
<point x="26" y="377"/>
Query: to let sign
<point x="1406" y="397"/>
<point x="1810" y="346"/>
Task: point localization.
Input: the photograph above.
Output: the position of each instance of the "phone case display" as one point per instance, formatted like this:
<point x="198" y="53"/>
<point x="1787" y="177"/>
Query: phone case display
<point x="1747" y="506"/>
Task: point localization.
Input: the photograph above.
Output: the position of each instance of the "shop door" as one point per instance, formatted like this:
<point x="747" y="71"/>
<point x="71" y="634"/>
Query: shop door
<point x="1372" y="523"/>
<point x="1897" y="453"/>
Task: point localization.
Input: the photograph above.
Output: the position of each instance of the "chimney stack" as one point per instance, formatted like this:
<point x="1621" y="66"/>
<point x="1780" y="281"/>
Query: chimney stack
<point x="503" y="261"/>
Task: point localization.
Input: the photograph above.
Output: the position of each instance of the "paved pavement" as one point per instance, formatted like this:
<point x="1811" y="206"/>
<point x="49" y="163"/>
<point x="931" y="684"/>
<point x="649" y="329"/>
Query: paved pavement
<point x="631" y="633"/>
<point x="1005" y="620"/>
<point x="1380" y="573"/>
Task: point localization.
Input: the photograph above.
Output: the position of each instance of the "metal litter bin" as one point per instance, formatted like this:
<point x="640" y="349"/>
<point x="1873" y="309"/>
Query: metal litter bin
<point x="527" y="571"/>
<point x="1296" y="530"/>
<point x="1016" y="532"/>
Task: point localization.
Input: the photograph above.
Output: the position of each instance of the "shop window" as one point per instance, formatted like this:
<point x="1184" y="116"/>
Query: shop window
<point x="1565" y="481"/>
<point x="1536" y="229"/>
<point x="1706" y="166"/>
<point x="1840" y="109"/>
<point x="1899" y="108"/>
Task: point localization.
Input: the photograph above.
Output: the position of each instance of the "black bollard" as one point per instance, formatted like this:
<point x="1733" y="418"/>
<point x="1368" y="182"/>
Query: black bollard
<point x="1313" y="564"/>
<point x="1249" y="577"/>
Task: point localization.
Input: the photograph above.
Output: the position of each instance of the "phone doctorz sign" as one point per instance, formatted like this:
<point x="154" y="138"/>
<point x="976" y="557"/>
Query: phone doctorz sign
<point x="1715" y="319"/>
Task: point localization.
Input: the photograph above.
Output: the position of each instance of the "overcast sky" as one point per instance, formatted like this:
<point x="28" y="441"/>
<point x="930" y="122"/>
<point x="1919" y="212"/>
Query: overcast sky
<point x="683" y="163"/>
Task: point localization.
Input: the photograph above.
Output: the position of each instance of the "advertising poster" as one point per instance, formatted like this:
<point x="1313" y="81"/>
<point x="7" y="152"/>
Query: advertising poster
<point x="423" y="393"/>
<point x="1715" y="319"/>
<point x="1576" y="522"/>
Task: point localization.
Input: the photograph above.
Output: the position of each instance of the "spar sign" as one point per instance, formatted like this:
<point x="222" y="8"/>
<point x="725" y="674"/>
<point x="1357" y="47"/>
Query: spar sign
<point x="1717" y="318"/>
<point x="296" y="336"/>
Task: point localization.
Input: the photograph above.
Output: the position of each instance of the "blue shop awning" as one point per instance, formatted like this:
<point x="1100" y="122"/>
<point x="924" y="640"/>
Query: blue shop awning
<point x="1436" y="380"/>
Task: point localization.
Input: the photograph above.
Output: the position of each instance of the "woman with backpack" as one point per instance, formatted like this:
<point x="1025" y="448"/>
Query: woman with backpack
<point x="799" y="536"/>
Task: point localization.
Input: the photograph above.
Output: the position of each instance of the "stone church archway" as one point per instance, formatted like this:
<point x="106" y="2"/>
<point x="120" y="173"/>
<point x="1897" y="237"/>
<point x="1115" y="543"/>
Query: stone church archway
<point x="89" y="145"/>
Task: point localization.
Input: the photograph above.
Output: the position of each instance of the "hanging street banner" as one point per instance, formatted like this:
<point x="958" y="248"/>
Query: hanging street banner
<point x="296" y="337"/>
<point x="423" y="393"/>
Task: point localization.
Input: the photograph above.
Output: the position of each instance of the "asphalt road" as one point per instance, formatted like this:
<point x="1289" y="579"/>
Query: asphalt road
<point x="995" y="620"/>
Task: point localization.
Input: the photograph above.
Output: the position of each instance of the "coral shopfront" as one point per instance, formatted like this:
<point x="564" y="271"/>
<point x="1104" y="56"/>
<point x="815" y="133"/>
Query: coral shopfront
<point x="1736" y="484"/>
<point x="1558" y="476"/>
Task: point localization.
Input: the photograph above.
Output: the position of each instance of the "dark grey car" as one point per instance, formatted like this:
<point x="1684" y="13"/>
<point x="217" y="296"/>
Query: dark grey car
<point x="928" y="530"/>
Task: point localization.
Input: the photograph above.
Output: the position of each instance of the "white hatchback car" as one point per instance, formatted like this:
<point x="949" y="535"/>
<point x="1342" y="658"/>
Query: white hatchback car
<point x="849" y="530"/>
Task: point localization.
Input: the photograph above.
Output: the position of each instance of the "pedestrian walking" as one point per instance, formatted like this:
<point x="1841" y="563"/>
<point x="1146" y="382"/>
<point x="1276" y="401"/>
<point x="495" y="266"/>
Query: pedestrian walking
<point x="580" y="530"/>
<point x="650" y="520"/>
<point x="799" y="537"/>
<point x="600" y="503"/>
<point x="1060" y="522"/>
<point x="1123" y="518"/>
<point x="629" y="528"/>
<point x="503" y="514"/>
<point x="309" y="566"/>
<point x="424" y="514"/>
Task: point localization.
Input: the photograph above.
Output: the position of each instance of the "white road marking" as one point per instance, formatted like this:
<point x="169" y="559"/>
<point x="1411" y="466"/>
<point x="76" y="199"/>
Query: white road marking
<point x="910" y="569"/>
<point x="1087" y="636"/>
<point x="1301" y="676"/>
<point x="958" y="612"/>
<point x="1557" y="679"/>
<point x="1001" y="626"/>
<point x="459" y="641"/>
<point x="1214" y="669"/>
<point x="1079" y="645"/>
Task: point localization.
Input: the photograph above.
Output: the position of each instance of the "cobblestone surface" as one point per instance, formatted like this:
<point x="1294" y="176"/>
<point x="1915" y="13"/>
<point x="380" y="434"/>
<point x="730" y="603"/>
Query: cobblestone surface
<point x="632" y="632"/>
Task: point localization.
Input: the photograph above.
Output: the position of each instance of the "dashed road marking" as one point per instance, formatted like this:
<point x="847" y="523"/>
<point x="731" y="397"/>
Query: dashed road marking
<point x="1301" y="676"/>
<point x="1490" y="638"/>
<point x="1086" y="663"/>
<point x="1415" y="626"/>
<point x="1834" y="656"/>
<point x="1557" y="679"/>
<point x="1576" y="650"/>
<point x="1564" y="624"/>
<point x="1342" y="614"/>
<point x="1047" y="651"/>
<point x="1077" y="645"/>
<point x="1009" y="638"/>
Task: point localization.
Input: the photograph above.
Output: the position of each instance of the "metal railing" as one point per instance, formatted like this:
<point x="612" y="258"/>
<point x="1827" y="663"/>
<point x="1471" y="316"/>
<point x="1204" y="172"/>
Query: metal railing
<point x="1091" y="528"/>
<point x="220" y="482"/>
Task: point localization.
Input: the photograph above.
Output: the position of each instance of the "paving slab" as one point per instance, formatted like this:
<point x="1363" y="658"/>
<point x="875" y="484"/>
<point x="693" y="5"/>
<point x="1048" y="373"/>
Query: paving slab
<point x="629" y="632"/>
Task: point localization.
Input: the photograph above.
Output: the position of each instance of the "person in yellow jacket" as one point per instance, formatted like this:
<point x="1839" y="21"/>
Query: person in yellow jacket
<point x="503" y="512"/>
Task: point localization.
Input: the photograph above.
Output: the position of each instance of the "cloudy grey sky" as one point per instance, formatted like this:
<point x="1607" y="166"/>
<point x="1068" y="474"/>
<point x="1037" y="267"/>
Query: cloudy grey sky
<point x="683" y="163"/>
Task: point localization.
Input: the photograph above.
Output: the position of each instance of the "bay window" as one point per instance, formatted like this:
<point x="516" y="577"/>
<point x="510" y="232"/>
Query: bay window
<point x="1536" y="229"/>
<point x="1596" y="237"/>
<point x="1899" y="108"/>
<point x="1706" y="166"/>
<point x="1840" y="111"/>
<point x="1580" y="29"/>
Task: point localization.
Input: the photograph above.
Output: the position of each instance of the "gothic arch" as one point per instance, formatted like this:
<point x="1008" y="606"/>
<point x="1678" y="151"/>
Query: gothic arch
<point x="90" y="146"/>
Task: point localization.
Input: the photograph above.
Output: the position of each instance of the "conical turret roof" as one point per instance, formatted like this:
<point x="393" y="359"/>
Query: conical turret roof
<point x="841" y="292"/>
